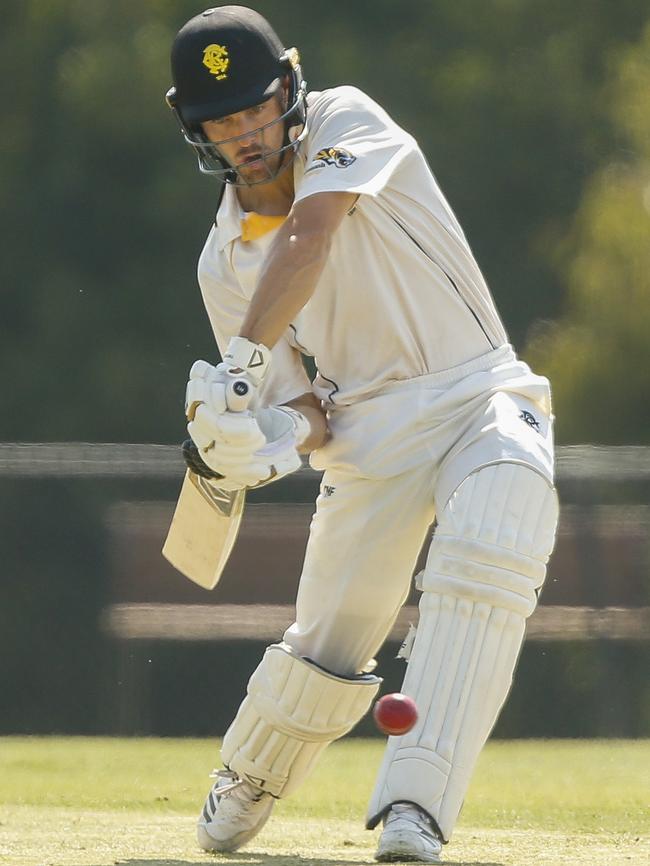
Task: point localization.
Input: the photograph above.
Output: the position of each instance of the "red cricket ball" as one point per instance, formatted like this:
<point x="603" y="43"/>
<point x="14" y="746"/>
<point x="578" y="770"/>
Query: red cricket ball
<point x="395" y="714"/>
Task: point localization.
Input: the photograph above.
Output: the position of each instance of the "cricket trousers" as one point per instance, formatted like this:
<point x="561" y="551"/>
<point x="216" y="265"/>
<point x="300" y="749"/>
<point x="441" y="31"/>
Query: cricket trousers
<point x="476" y="455"/>
<point x="371" y="521"/>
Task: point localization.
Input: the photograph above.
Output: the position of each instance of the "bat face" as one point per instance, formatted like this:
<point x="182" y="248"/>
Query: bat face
<point x="203" y="530"/>
<point x="222" y="501"/>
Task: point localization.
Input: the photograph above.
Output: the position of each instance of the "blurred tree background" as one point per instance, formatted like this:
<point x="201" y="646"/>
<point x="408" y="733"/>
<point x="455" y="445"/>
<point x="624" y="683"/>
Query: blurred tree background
<point x="534" y="117"/>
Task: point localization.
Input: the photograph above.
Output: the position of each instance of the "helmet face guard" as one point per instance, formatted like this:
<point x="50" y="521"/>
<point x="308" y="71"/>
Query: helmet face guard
<point x="210" y="158"/>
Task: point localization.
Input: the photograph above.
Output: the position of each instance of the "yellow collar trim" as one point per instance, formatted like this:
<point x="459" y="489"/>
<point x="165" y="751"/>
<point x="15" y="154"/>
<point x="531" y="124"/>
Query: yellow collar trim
<point x="256" y="225"/>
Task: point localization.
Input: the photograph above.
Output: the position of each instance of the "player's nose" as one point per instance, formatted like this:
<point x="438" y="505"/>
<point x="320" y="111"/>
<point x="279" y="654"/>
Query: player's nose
<point x="244" y="127"/>
<point x="249" y="144"/>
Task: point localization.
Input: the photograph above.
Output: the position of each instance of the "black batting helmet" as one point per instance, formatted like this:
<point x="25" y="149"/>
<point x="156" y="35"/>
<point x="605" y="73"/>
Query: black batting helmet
<point x="226" y="60"/>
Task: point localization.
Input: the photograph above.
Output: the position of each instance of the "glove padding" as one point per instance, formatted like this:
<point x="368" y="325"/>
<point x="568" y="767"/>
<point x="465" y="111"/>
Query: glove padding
<point x="283" y="429"/>
<point x="225" y="439"/>
<point x="240" y="448"/>
<point x="219" y="388"/>
<point x="243" y="362"/>
<point x="228" y="443"/>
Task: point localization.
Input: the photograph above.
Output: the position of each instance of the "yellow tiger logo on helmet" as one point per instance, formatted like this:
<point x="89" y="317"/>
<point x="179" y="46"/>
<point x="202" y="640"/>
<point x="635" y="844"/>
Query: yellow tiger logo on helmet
<point x="215" y="58"/>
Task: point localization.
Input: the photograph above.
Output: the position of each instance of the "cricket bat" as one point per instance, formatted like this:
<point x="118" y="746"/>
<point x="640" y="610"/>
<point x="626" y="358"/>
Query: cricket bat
<point x="206" y="521"/>
<point x="203" y="530"/>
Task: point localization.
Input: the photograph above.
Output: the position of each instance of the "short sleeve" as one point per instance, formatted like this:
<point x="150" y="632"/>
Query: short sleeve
<point x="352" y="145"/>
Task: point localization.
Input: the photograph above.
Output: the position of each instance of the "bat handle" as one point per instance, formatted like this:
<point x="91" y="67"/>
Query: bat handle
<point x="238" y="395"/>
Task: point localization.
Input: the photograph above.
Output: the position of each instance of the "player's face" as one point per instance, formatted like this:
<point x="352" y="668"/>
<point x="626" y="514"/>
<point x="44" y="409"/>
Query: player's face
<point x="247" y="142"/>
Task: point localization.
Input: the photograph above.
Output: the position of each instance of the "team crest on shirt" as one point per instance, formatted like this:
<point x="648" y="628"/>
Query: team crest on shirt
<point x="332" y="156"/>
<point x="529" y="418"/>
<point x="215" y="58"/>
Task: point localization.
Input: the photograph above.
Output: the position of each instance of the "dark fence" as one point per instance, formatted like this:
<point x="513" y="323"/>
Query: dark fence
<point x="98" y="634"/>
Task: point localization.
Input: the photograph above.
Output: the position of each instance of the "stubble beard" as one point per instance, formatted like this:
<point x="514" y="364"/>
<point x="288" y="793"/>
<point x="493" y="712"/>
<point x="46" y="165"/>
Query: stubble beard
<point x="261" y="169"/>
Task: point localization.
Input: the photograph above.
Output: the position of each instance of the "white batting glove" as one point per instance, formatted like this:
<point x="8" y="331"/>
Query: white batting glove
<point x="224" y="386"/>
<point x="227" y="442"/>
<point x="246" y="449"/>
<point x="284" y="430"/>
<point x="216" y="406"/>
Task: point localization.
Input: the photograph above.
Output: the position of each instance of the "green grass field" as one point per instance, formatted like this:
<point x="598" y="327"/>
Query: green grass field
<point x="102" y="802"/>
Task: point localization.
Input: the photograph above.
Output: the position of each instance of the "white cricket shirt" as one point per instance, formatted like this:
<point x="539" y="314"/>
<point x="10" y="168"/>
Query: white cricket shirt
<point x="401" y="295"/>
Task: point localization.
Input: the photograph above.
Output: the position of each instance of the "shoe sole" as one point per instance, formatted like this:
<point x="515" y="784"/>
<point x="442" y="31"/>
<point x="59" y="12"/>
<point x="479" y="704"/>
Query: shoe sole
<point x="396" y="857"/>
<point x="400" y="850"/>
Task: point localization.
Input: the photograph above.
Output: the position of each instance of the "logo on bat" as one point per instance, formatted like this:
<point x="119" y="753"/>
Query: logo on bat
<point x="333" y="156"/>
<point x="215" y="58"/>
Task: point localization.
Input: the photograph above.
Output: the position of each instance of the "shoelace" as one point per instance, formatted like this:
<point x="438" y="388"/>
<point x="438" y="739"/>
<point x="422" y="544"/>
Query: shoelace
<point x="413" y="815"/>
<point x="235" y="782"/>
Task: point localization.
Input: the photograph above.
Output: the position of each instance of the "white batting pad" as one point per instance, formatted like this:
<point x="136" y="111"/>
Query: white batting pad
<point x="486" y="564"/>
<point x="292" y="711"/>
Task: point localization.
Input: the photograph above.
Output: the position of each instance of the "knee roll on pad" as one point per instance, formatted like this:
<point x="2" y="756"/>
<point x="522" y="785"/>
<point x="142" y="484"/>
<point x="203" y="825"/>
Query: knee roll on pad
<point x="486" y="565"/>
<point x="292" y="711"/>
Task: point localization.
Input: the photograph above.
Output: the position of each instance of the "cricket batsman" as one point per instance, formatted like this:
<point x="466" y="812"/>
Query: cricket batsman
<point x="333" y="240"/>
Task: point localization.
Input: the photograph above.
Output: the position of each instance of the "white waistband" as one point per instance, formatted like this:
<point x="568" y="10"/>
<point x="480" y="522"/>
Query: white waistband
<point x="444" y="378"/>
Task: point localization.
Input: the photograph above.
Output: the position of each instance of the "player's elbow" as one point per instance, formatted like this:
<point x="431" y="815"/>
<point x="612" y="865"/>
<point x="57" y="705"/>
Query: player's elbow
<point x="313" y="222"/>
<point x="309" y="246"/>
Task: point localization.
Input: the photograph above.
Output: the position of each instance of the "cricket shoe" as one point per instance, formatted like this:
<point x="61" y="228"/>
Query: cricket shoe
<point x="233" y="813"/>
<point x="408" y="836"/>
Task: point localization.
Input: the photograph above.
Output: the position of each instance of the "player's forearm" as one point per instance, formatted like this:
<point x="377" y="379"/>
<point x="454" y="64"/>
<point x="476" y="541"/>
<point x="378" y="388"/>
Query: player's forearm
<point x="288" y="280"/>
<point x="311" y="408"/>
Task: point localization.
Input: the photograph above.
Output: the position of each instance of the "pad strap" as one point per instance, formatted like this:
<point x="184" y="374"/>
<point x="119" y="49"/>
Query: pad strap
<point x="292" y="711"/>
